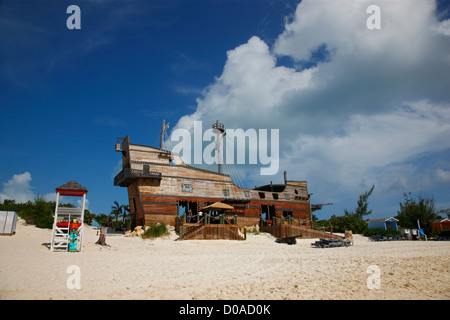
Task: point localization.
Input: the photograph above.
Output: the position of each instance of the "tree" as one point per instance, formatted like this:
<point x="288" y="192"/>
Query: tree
<point x="420" y="210"/>
<point x="353" y="220"/>
<point x="116" y="210"/>
<point x="101" y="219"/>
<point x="126" y="215"/>
<point x="88" y="217"/>
<point x="347" y="222"/>
<point x="40" y="212"/>
<point x="363" y="203"/>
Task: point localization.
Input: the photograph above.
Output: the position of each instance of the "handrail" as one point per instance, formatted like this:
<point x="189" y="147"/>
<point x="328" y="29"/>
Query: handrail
<point x="134" y="174"/>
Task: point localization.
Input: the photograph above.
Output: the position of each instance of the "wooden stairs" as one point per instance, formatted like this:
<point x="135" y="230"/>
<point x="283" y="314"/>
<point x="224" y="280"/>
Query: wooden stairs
<point x="287" y="230"/>
<point x="209" y="231"/>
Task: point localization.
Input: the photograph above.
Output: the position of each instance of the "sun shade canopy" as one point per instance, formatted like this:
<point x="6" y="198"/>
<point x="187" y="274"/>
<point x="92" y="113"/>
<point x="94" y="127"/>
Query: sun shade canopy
<point x="218" y="206"/>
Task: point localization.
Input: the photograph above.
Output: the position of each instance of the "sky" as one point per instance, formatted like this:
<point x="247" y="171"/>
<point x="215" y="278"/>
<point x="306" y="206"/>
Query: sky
<point x="359" y="97"/>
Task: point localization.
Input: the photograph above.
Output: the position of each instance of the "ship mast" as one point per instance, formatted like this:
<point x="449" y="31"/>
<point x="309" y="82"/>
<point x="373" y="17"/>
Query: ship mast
<point x="163" y="130"/>
<point x="218" y="129"/>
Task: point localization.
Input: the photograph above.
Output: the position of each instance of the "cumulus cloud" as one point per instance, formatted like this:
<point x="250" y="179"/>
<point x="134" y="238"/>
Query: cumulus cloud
<point x="357" y="106"/>
<point x="377" y="148"/>
<point x="250" y="84"/>
<point x="18" y="188"/>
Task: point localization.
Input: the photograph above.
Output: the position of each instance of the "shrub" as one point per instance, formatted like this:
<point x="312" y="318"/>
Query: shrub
<point x="347" y="222"/>
<point x="155" y="231"/>
<point x="421" y="209"/>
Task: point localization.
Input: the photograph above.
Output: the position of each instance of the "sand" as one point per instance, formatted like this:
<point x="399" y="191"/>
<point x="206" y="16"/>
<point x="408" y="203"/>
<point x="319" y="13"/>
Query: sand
<point x="255" y="269"/>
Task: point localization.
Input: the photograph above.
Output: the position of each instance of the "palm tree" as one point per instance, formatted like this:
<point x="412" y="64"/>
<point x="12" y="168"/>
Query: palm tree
<point x="126" y="212"/>
<point x="116" y="210"/>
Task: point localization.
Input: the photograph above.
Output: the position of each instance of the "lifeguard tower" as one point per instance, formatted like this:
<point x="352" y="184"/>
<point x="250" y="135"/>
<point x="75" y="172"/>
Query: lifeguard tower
<point x="67" y="233"/>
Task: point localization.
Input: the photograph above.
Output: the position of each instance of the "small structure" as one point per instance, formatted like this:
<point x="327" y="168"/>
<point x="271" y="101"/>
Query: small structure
<point x="441" y="225"/>
<point x="383" y="223"/>
<point x="67" y="232"/>
<point x="8" y="221"/>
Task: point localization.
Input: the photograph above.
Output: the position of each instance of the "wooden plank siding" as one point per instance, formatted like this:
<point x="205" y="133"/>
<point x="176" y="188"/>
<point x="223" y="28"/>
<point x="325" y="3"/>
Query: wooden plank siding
<point x="157" y="199"/>
<point x="167" y="207"/>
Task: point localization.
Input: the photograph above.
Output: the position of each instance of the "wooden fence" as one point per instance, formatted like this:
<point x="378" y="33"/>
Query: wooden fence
<point x="287" y="230"/>
<point x="209" y="231"/>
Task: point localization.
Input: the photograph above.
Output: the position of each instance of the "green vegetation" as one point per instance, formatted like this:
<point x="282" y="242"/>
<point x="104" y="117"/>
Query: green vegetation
<point x="120" y="210"/>
<point x="361" y="210"/>
<point x="421" y="209"/>
<point x="101" y="219"/>
<point x="158" y="230"/>
<point x="411" y="211"/>
<point x="40" y="212"/>
<point x="351" y="220"/>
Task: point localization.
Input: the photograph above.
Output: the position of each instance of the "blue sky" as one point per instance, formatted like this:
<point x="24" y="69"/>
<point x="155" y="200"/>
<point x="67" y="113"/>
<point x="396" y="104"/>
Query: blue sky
<point x="354" y="106"/>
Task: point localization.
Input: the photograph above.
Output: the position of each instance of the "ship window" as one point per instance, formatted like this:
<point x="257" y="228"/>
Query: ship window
<point x="275" y="196"/>
<point x="247" y="193"/>
<point x="262" y="195"/>
<point x="186" y="187"/>
<point x="286" y="196"/>
<point x="226" y="192"/>
<point x="296" y="192"/>
<point x="286" y="214"/>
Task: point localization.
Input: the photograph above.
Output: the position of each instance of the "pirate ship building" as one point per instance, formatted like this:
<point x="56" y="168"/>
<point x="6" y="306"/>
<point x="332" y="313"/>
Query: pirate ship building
<point x="163" y="189"/>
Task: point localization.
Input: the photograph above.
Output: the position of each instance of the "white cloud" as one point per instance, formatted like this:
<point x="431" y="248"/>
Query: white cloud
<point x="18" y="188"/>
<point x="365" y="113"/>
<point x="376" y="148"/>
<point x="250" y="84"/>
<point x="442" y="175"/>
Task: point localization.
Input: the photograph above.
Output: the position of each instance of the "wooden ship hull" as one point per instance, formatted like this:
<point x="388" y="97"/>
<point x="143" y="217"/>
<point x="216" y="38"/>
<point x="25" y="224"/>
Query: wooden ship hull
<point x="161" y="188"/>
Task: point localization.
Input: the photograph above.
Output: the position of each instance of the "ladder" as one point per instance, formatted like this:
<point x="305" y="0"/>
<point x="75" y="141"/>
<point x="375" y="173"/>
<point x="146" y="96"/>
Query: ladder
<point x="60" y="234"/>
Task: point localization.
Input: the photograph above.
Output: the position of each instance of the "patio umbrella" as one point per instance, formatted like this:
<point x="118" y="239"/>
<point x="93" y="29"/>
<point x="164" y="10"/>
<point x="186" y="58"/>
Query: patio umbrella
<point x="218" y="206"/>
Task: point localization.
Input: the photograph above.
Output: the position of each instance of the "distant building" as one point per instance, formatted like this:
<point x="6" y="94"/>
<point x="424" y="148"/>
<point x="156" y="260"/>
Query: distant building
<point x="441" y="225"/>
<point x="383" y="223"/>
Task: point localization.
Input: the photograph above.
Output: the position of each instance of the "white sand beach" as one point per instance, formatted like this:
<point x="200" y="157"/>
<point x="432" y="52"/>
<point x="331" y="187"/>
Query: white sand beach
<point x="256" y="269"/>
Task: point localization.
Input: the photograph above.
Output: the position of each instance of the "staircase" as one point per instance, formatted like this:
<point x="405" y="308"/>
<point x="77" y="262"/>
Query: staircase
<point x="60" y="235"/>
<point x="60" y="238"/>
<point x="287" y="230"/>
<point x="210" y="231"/>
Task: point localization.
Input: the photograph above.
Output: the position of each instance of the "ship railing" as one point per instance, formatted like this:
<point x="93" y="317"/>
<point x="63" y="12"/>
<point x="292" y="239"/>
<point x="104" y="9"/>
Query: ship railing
<point x="206" y="219"/>
<point x="284" y="220"/>
<point x="127" y="173"/>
